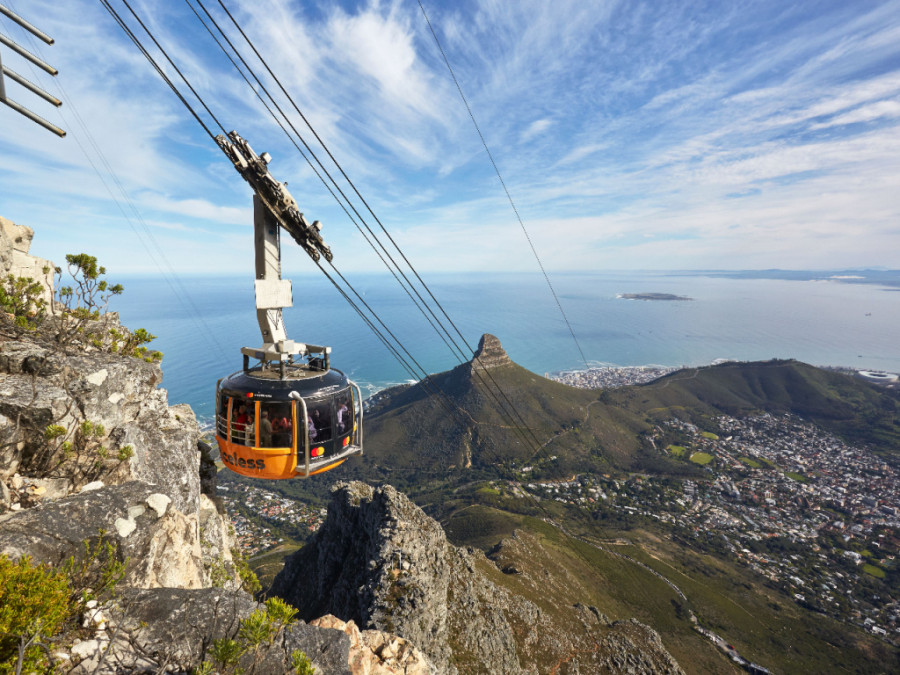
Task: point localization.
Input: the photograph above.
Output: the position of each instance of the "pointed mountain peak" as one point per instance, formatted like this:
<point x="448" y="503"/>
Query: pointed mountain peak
<point x="490" y="353"/>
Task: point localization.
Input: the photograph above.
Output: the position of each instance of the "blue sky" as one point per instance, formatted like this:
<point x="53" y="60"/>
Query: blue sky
<point x="631" y="135"/>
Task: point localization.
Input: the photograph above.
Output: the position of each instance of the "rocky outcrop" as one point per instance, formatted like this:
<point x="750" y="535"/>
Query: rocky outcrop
<point x="15" y="241"/>
<point x="376" y="557"/>
<point x="374" y="652"/>
<point x="172" y="630"/>
<point x="380" y="562"/>
<point x="41" y="387"/>
<point x="160" y="543"/>
<point x="490" y="354"/>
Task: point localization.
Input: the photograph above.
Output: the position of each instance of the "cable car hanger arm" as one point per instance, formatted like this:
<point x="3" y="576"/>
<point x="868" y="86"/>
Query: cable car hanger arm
<point x="273" y="206"/>
<point x="274" y="195"/>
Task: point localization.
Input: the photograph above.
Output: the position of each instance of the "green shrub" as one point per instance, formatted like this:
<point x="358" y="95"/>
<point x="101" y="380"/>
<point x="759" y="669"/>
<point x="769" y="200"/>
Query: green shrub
<point x="23" y="298"/>
<point x="249" y="580"/>
<point x="227" y="652"/>
<point x="255" y="631"/>
<point x="257" y="628"/>
<point x="34" y="603"/>
<point x="281" y="612"/>
<point x="96" y="573"/>
<point x="301" y="664"/>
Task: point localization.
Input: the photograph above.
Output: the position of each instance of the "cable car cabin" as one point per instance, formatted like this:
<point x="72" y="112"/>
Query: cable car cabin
<point x="293" y="424"/>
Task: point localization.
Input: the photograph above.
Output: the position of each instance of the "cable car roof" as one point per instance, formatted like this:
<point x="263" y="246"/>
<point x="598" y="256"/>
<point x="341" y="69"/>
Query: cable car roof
<point x="268" y="384"/>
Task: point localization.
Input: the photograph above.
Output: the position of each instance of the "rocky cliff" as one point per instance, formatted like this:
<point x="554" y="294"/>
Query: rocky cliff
<point x="490" y="354"/>
<point x="381" y="562"/>
<point x="101" y="477"/>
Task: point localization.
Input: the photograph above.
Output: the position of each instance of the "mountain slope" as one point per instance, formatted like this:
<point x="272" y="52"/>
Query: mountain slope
<point x="591" y="430"/>
<point x="380" y="561"/>
<point x="856" y="410"/>
<point x="539" y="418"/>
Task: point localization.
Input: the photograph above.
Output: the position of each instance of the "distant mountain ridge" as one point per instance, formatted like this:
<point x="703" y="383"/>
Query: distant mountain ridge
<point x="866" y="275"/>
<point x="411" y="429"/>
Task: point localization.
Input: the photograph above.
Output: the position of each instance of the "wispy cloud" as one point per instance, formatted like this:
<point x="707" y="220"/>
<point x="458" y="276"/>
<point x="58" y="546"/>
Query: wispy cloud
<point x="629" y="134"/>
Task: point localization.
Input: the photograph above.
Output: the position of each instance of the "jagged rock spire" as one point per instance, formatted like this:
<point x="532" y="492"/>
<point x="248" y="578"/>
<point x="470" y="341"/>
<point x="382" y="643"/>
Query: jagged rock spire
<point x="490" y="353"/>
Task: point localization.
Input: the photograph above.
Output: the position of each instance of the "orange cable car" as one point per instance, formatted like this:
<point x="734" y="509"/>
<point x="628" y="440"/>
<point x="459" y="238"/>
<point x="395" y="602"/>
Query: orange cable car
<point x="269" y="427"/>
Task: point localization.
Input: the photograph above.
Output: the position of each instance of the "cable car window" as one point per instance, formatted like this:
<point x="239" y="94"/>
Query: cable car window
<point x="222" y="416"/>
<point x="343" y="418"/>
<point x="275" y="425"/>
<point x="242" y="431"/>
<point x="320" y="418"/>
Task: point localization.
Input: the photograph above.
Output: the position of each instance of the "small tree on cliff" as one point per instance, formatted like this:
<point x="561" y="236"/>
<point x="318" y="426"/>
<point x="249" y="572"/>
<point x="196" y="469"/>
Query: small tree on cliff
<point x="85" y="300"/>
<point x="22" y="298"/>
<point x="81" y="305"/>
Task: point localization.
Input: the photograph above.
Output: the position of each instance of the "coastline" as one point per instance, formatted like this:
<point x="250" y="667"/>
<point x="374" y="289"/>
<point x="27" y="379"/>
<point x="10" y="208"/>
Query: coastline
<point x="609" y="377"/>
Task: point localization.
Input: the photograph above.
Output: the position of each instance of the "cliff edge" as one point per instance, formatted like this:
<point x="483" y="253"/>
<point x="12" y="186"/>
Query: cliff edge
<point x="381" y="562"/>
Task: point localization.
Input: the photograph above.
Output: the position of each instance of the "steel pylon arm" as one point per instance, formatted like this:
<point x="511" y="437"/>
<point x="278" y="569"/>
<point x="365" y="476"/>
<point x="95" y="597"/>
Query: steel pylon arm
<point x="275" y="196"/>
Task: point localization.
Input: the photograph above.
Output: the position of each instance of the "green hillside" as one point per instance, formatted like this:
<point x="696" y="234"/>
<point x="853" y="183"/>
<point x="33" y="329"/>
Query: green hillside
<point x="601" y="431"/>
<point x="614" y="572"/>
<point x="851" y="408"/>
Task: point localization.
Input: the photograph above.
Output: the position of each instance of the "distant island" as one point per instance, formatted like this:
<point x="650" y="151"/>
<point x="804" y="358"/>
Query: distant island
<point x="653" y="296"/>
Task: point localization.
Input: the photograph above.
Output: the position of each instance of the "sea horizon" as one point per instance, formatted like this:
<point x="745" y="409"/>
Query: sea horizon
<point x="201" y="325"/>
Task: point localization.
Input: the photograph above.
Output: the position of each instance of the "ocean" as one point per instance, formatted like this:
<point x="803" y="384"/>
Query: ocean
<point x="202" y="322"/>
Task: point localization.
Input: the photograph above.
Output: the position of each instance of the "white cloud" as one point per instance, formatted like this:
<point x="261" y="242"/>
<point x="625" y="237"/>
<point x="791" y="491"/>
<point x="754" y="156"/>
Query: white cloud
<point x="535" y="128"/>
<point x="866" y="113"/>
<point x="649" y="132"/>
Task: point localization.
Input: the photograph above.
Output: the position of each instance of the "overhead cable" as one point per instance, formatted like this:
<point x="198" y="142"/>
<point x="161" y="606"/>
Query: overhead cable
<point x="502" y="182"/>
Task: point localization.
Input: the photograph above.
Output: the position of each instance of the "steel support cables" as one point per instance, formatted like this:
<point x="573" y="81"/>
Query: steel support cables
<point x="459" y="353"/>
<point x="410" y="288"/>
<point x="118" y="19"/>
<point x="174" y="88"/>
<point x="502" y="182"/>
<point x="422" y="376"/>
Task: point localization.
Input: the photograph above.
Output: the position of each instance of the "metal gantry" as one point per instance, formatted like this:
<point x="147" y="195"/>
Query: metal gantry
<point x="18" y="79"/>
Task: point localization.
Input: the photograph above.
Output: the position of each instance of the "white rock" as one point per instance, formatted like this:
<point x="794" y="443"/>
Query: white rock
<point x="86" y="649"/>
<point x="98" y="378"/>
<point x="61" y="656"/>
<point x="16" y="507"/>
<point x="136" y="511"/>
<point x="90" y="604"/>
<point x="125" y="526"/>
<point x="17" y="482"/>
<point x="159" y="503"/>
<point x="115" y="398"/>
<point x="94" y="619"/>
<point x="96" y="485"/>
